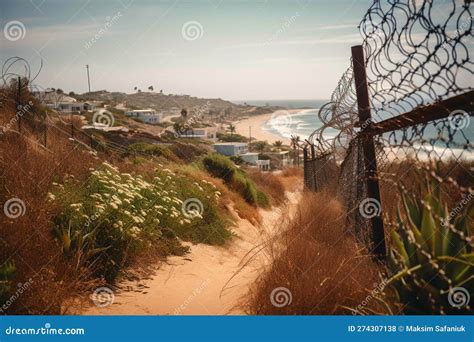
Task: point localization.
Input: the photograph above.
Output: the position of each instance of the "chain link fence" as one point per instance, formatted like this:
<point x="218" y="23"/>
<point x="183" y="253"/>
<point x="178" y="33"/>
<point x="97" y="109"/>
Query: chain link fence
<point x="400" y="114"/>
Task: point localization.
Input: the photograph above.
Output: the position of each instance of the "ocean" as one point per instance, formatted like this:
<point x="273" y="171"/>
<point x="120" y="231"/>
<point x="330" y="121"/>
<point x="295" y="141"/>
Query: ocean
<point x="305" y="122"/>
<point x="302" y="124"/>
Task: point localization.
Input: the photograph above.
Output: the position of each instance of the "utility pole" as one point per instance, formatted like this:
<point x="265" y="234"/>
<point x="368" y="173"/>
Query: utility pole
<point x="88" y="78"/>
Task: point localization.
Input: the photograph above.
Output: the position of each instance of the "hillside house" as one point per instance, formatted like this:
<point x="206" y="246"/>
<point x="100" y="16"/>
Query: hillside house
<point x="207" y="133"/>
<point x="231" y="148"/>
<point x="146" y="115"/>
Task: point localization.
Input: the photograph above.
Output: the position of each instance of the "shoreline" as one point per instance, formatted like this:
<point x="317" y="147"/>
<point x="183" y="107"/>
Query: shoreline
<point x="257" y="122"/>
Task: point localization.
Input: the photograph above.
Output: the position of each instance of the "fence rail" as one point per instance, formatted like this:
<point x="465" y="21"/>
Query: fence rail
<point x="404" y="103"/>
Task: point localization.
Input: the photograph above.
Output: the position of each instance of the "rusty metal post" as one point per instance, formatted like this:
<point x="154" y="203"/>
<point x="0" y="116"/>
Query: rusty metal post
<point x="370" y="162"/>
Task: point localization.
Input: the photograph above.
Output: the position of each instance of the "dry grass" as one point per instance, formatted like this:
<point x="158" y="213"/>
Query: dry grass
<point x="455" y="174"/>
<point x="318" y="262"/>
<point x="269" y="184"/>
<point x="26" y="172"/>
<point x="292" y="178"/>
<point x="292" y="172"/>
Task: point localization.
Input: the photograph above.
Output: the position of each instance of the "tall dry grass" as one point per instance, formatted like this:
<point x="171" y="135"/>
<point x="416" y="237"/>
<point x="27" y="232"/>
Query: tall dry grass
<point x="269" y="184"/>
<point x="26" y="173"/>
<point x="324" y="269"/>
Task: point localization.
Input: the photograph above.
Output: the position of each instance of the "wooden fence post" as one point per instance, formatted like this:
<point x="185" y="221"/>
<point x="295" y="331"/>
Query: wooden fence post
<point x="305" y="167"/>
<point x="18" y="104"/>
<point x="313" y="169"/>
<point x="370" y="162"/>
<point x="72" y="126"/>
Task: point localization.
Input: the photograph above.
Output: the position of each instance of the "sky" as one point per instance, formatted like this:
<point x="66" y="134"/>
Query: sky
<point x="235" y="50"/>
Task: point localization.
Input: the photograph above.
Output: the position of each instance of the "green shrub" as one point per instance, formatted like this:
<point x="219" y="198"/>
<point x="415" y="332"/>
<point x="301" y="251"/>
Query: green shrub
<point x="237" y="160"/>
<point x="431" y="254"/>
<point x="153" y="150"/>
<point x="222" y="167"/>
<point x="114" y="216"/>
<point x="263" y="200"/>
<point x="225" y="137"/>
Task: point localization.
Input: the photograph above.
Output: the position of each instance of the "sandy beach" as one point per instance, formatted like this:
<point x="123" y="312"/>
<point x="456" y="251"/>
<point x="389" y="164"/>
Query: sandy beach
<point x="257" y="122"/>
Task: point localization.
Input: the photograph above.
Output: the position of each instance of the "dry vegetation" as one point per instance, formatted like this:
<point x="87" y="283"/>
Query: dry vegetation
<point x="270" y="184"/>
<point x="322" y="266"/>
<point x="27" y="171"/>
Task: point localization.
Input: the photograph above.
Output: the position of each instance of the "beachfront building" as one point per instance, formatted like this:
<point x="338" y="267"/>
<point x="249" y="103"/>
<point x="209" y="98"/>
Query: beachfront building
<point x="231" y="148"/>
<point x="250" y="157"/>
<point x="64" y="103"/>
<point x="145" y="115"/>
<point x="73" y="107"/>
<point x="281" y="158"/>
<point x="263" y="165"/>
<point x="207" y="133"/>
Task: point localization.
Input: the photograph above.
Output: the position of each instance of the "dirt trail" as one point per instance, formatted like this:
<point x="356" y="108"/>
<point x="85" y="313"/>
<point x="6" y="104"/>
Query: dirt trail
<point x="194" y="284"/>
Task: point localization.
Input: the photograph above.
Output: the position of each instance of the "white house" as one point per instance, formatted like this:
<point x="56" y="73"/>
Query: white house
<point x="146" y="115"/>
<point x="231" y="148"/>
<point x="64" y="103"/>
<point x="282" y="157"/>
<point x="72" y="107"/>
<point x="263" y="165"/>
<point x="250" y="157"/>
<point x="208" y="133"/>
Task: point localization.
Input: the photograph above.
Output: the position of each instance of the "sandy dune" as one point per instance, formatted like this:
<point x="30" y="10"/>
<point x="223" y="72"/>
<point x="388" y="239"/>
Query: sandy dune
<point x="204" y="282"/>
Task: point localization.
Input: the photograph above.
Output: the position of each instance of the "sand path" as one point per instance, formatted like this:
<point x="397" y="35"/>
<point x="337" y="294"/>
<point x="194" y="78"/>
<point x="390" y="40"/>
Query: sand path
<point x="204" y="282"/>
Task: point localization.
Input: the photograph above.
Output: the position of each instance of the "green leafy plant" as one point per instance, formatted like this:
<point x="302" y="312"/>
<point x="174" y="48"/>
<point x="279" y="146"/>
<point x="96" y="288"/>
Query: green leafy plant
<point x="431" y="253"/>
<point x="113" y="216"/>
<point x="222" y="167"/>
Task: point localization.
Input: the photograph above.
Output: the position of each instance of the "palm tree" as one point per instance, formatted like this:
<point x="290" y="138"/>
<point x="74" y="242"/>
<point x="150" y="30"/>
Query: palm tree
<point x="295" y="139"/>
<point x="135" y="88"/>
<point x="150" y="88"/>
<point x="231" y="129"/>
<point x="278" y="143"/>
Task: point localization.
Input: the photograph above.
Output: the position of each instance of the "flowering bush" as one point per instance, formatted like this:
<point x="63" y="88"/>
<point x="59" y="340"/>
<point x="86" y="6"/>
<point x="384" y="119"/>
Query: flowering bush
<point x="114" y="215"/>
